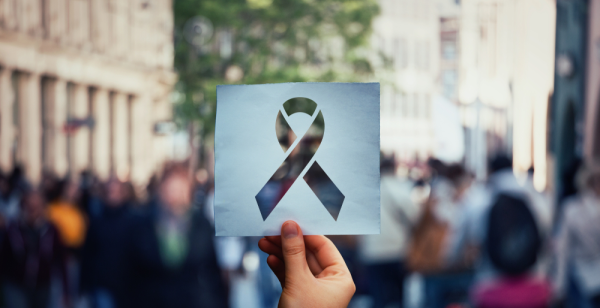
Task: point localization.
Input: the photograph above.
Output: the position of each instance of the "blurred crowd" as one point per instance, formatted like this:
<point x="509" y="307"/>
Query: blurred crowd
<point x="447" y="240"/>
<point x="94" y="244"/>
<point x="463" y="242"/>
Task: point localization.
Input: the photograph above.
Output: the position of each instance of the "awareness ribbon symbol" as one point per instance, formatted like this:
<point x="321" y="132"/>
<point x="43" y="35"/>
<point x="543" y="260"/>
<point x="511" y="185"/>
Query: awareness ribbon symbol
<point x="299" y="156"/>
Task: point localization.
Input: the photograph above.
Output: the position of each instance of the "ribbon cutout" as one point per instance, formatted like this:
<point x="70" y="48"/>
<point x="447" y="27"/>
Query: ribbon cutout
<point x="299" y="156"/>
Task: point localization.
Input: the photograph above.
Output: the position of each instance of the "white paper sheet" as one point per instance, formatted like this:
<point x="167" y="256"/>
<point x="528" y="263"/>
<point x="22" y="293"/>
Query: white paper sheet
<point x="247" y="153"/>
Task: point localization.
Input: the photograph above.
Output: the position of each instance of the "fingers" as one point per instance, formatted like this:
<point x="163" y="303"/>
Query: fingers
<point x="269" y="248"/>
<point x="275" y="239"/>
<point x="277" y="267"/>
<point x="326" y="254"/>
<point x="294" y="252"/>
<point x="313" y="264"/>
<point x="319" y="252"/>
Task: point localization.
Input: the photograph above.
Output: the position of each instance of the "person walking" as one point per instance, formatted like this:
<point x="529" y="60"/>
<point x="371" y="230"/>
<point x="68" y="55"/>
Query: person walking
<point x="384" y="254"/>
<point x="29" y="256"/>
<point x="171" y="259"/>
<point x="509" y="229"/>
<point x="103" y="266"/>
<point x="577" y="247"/>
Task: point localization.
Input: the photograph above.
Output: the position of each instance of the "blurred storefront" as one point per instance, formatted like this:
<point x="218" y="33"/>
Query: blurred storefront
<point x="83" y="85"/>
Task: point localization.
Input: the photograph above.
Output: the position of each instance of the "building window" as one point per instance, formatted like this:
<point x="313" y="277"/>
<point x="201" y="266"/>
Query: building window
<point x="392" y="103"/>
<point x="427" y="107"/>
<point x="111" y="133"/>
<point x="387" y="98"/>
<point x="398" y="103"/>
<point x="15" y="116"/>
<point x="408" y="106"/>
<point x="417" y="55"/>
<point x="422" y="55"/>
<point x="400" y="53"/>
<point x="449" y="83"/>
<point x="449" y="50"/>
<point x="426" y="56"/>
<point x="421" y="9"/>
<point x="403" y="105"/>
<point x="381" y="44"/>
<point x="91" y="113"/>
<point x="130" y="110"/>
<point x="47" y="109"/>
<point x="487" y="19"/>
<point x="415" y="106"/>
<point x="69" y="109"/>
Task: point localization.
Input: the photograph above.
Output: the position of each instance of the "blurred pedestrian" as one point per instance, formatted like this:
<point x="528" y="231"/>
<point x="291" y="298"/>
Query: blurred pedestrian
<point x="171" y="257"/>
<point x="66" y="215"/>
<point x="29" y="256"/>
<point x="443" y="285"/>
<point x="384" y="255"/>
<point x="18" y="181"/>
<point x="9" y="201"/>
<point x="103" y="265"/>
<point x="90" y="195"/>
<point x="509" y="228"/>
<point x="63" y="211"/>
<point x="578" y="239"/>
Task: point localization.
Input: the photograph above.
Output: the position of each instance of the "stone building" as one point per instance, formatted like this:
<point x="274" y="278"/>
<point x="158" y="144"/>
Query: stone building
<point x="506" y="80"/>
<point x="407" y="34"/>
<point x="83" y="84"/>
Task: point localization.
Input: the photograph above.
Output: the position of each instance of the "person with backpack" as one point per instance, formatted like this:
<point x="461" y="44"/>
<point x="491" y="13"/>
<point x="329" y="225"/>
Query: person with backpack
<point x="443" y="285"/>
<point x="508" y="228"/>
<point x="577" y="247"/>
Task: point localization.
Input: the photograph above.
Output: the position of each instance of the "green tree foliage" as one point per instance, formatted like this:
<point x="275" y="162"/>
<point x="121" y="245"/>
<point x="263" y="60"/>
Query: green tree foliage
<point x="266" y="41"/>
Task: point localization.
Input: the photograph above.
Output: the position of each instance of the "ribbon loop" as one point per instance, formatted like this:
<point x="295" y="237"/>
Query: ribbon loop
<point x="299" y="156"/>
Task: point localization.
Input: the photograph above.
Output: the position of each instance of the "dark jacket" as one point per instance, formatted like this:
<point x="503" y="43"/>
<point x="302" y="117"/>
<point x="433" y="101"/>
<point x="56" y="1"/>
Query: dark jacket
<point x="29" y="256"/>
<point x="195" y="283"/>
<point x="103" y="264"/>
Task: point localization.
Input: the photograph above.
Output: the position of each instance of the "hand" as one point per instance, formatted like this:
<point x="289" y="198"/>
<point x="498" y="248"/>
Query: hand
<point x="310" y="268"/>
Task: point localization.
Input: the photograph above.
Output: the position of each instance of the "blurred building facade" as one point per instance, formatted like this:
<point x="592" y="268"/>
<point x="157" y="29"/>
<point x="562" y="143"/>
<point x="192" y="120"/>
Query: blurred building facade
<point x="449" y="16"/>
<point x="82" y="85"/>
<point x="407" y="34"/>
<point x="568" y="103"/>
<point x="506" y="80"/>
<point x="591" y="147"/>
<point x="575" y="109"/>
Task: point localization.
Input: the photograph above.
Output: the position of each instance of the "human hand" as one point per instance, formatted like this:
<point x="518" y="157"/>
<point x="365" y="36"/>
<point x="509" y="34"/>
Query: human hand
<point x="310" y="269"/>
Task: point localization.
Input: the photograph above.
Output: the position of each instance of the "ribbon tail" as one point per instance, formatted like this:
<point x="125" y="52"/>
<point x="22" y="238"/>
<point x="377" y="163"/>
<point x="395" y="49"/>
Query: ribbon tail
<point x="324" y="188"/>
<point x="273" y="191"/>
<point x="266" y="203"/>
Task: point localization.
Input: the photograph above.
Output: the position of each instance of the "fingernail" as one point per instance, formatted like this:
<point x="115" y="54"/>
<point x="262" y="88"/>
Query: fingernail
<point x="289" y="230"/>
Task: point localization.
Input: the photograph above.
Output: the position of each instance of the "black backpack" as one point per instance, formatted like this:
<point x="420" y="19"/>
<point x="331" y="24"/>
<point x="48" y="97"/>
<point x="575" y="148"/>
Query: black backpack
<point x="513" y="239"/>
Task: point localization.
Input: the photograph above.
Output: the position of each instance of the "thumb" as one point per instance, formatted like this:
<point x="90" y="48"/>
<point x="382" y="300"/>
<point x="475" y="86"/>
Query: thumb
<point x="294" y="252"/>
